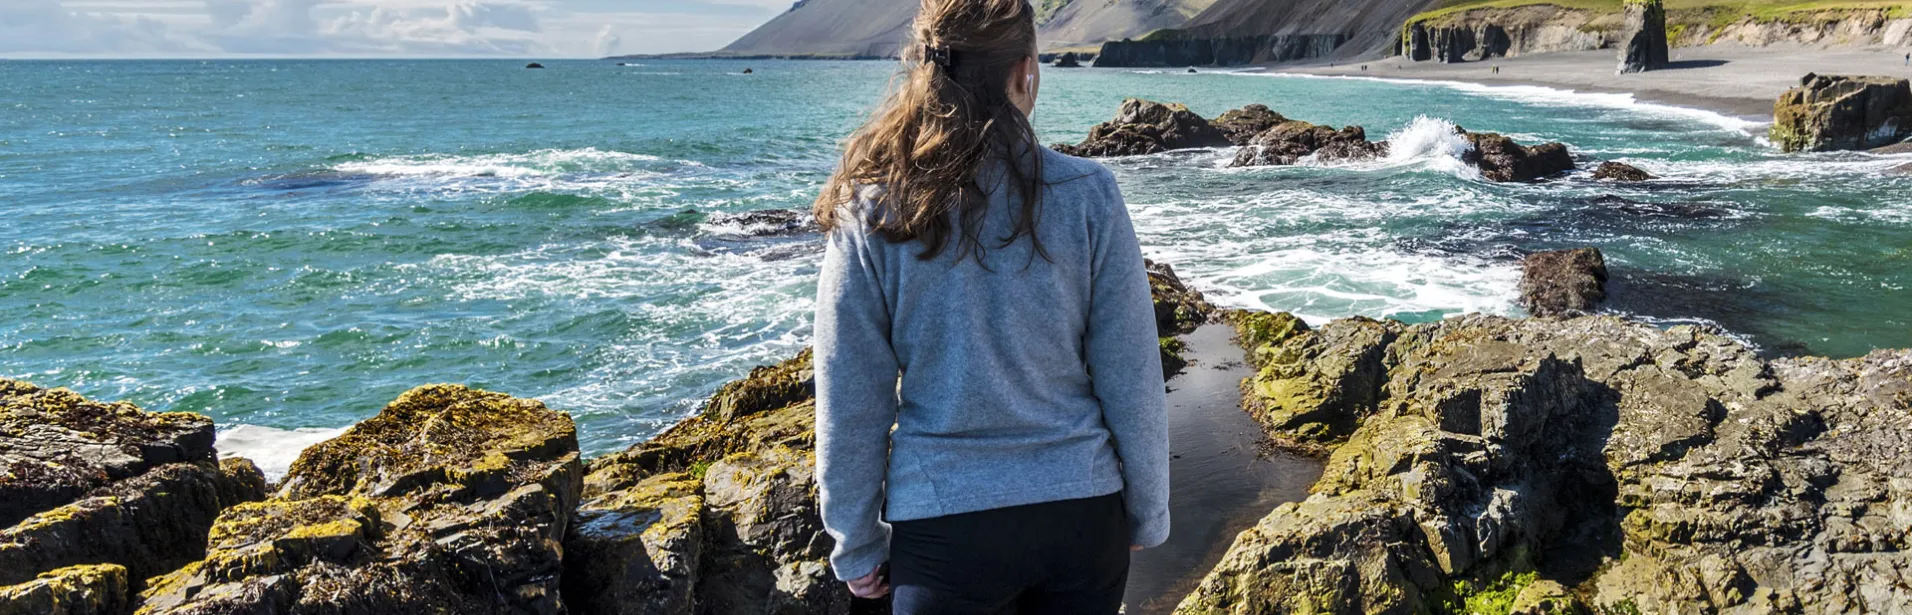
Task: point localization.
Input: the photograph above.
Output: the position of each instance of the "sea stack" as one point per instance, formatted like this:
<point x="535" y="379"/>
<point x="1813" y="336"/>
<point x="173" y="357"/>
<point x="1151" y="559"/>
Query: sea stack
<point x="1068" y="60"/>
<point x="1843" y="112"/>
<point x="534" y="65"/>
<point x="1643" y="37"/>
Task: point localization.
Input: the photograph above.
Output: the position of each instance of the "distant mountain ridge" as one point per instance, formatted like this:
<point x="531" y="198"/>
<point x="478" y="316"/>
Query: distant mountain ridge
<point x="878" y="28"/>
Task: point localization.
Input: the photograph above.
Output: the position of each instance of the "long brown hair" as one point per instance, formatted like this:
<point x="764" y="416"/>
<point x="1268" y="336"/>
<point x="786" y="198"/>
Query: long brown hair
<point x="948" y="114"/>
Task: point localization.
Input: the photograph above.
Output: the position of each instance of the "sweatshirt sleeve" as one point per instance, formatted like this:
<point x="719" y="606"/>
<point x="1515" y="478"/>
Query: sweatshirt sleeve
<point x="1125" y="366"/>
<point x="856" y="376"/>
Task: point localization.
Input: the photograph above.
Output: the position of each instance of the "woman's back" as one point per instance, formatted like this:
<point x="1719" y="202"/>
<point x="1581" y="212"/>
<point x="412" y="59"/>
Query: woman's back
<point x="998" y="353"/>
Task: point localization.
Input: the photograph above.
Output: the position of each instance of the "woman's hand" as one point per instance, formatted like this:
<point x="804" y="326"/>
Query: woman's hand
<point x="871" y="586"/>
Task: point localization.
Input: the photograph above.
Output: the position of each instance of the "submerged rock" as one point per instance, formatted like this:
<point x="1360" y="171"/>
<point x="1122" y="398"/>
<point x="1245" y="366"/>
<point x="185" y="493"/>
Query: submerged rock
<point x="1656" y="471"/>
<point x="1843" y="112"/>
<point x="449" y="500"/>
<point x="1643" y="45"/>
<point x="763" y="223"/>
<point x="96" y="497"/>
<point x="1501" y="159"/>
<point x="1563" y="282"/>
<point x="1147" y="127"/>
<point x="1621" y="172"/>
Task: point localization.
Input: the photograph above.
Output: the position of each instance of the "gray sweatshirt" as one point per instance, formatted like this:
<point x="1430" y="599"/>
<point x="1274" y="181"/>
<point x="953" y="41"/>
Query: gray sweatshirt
<point x="1028" y="381"/>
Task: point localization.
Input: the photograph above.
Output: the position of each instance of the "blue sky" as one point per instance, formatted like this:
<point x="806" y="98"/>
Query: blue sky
<point x="333" y="28"/>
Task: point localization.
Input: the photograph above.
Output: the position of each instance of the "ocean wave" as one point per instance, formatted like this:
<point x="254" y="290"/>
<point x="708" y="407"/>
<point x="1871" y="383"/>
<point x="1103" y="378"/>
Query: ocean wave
<point x="542" y="162"/>
<point x="1549" y="96"/>
<point x="273" y="449"/>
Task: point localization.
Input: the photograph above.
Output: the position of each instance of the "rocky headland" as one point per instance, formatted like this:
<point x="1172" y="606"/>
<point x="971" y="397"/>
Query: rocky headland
<point x="1473" y="465"/>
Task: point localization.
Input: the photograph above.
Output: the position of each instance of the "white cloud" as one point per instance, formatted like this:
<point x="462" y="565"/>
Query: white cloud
<point x="550" y="28"/>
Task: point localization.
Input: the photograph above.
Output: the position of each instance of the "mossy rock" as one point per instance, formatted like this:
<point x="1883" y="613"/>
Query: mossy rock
<point x="56" y="445"/>
<point x="1315" y="386"/>
<point x="449" y="500"/>
<point x="436" y="434"/>
<point x="91" y="589"/>
<point x="638" y="550"/>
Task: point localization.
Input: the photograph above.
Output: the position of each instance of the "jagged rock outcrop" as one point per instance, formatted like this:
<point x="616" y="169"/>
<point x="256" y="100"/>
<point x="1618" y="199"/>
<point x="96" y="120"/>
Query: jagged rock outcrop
<point x="1655" y="471"/>
<point x="1067" y="60"/>
<point x="95" y="497"/>
<point x="449" y="500"/>
<point x="1843" y="112"/>
<point x="1147" y="127"/>
<point x="1312" y="387"/>
<point x="1288" y="142"/>
<point x="89" y="589"/>
<point x="1241" y="125"/>
<point x="1621" y="172"/>
<point x="1179" y="310"/>
<point x="1501" y="159"/>
<point x="1643" y="45"/>
<point x="1563" y="282"/>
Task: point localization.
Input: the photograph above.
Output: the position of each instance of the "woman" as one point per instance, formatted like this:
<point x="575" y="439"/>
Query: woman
<point x="990" y="413"/>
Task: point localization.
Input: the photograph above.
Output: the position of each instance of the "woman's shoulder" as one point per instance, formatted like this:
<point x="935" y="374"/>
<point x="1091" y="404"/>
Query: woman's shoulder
<point x="1059" y="170"/>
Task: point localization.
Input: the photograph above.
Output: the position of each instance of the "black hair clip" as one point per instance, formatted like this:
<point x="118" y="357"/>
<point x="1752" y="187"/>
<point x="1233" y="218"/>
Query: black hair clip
<point x="936" y="55"/>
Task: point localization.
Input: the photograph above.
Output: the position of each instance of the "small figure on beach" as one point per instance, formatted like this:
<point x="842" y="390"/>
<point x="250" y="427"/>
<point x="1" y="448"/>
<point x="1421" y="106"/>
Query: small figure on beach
<point x="1908" y="59"/>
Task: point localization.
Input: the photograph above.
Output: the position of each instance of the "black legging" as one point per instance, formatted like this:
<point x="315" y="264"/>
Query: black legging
<point x="1070" y="556"/>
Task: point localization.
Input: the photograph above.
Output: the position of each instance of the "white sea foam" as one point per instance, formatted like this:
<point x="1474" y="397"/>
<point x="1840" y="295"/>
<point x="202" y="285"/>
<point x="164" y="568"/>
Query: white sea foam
<point x="273" y="449"/>
<point x="1435" y="143"/>
<point x="535" y="163"/>
<point x="1541" y="95"/>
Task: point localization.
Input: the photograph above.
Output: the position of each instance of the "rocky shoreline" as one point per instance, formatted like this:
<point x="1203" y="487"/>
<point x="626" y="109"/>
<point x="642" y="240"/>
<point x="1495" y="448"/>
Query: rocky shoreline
<point x="1475" y="464"/>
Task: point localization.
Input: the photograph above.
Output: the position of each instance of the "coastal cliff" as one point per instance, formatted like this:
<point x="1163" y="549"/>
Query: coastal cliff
<point x="1475" y="31"/>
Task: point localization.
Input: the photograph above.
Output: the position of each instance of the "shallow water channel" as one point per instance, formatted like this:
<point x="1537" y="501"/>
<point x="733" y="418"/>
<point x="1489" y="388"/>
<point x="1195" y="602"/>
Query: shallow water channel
<point x="1224" y="478"/>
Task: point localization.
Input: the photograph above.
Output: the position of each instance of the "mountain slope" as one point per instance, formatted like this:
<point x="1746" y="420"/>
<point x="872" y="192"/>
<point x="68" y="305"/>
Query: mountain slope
<point x="853" y="28"/>
<point x="1370" y="25"/>
<point x="1094" y="21"/>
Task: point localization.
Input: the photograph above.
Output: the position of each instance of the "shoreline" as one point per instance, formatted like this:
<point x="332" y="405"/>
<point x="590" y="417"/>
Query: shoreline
<point x="1742" y="82"/>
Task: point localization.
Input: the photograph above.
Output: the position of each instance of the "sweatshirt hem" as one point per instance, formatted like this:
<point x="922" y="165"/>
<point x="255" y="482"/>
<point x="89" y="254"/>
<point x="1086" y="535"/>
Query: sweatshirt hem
<point x="903" y="511"/>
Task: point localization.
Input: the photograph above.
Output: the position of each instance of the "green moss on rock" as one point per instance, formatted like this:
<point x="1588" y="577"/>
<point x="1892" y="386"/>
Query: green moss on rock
<point x="93" y="589"/>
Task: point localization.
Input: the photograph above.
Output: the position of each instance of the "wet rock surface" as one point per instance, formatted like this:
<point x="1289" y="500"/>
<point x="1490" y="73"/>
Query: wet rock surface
<point x="1288" y="142"/>
<point x="1563" y="282"/>
<point x="1621" y="172"/>
<point x="1241" y="125"/>
<point x="449" y="500"/>
<point x="1147" y="127"/>
<point x="1591" y="463"/>
<point x="95" y="497"/>
<point x="1843" y="112"/>
<point x="1501" y="159"/>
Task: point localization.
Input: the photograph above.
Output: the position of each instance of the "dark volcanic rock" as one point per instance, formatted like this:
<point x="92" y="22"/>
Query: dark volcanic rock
<point x="1563" y="282"/>
<point x="449" y="500"/>
<point x="1241" y="125"/>
<point x="1643" y="44"/>
<point x="1655" y="471"/>
<point x="1068" y="60"/>
<point x="1147" y="127"/>
<point x="97" y="496"/>
<point x="1501" y="159"/>
<point x="56" y="445"/>
<point x="534" y="65"/>
<point x="1290" y="141"/>
<point x="1840" y="112"/>
<point x="1312" y="387"/>
<point x="1621" y="172"/>
<point x="1178" y="310"/>
<point x="93" y="589"/>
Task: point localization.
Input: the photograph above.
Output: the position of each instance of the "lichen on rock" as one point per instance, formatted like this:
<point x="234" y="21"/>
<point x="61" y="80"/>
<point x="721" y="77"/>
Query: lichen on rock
<point x="88" y="589"/>
<point x="1567" y="466"/>
<point x="449" y="500"/>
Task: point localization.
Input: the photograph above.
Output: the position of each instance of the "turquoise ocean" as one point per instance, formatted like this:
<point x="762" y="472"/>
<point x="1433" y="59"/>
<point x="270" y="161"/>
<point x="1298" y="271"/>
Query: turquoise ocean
<point x="288" y="245"/>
